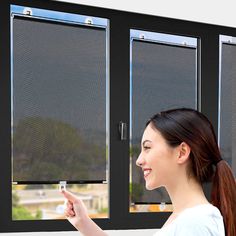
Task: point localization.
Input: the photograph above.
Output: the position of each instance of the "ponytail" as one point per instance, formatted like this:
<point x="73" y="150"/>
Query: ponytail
<point x="223" y="195"/>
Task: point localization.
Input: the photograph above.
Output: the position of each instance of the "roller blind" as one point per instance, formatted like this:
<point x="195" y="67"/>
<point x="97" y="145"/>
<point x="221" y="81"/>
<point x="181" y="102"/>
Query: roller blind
<point x="163" y="77"/>
<point x="228" y="101"/>
<point x="58" y="101"/>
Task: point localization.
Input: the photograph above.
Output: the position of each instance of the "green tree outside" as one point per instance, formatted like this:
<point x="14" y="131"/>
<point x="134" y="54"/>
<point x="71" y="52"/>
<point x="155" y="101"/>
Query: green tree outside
<point x="21" y="213"/>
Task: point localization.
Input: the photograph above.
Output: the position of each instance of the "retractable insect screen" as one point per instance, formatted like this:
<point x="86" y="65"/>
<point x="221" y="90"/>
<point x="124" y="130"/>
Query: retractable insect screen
<point x="59" y="99"/>
<point x="227" y="127"/>
<point x="163" y="76"/>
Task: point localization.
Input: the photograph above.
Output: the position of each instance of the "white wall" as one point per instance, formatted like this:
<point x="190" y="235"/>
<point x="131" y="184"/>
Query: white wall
<point x="210" y="11"/>
<point x="217" y="12"/>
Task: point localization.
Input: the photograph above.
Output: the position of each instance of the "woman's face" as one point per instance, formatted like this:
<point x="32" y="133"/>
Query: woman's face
<point x="157" y="159"/>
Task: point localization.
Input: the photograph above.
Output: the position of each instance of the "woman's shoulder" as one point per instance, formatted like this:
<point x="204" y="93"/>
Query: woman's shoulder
<point x="204" y="210"/>
<point x="204" y="220"/>
<point x="205" y="217"/>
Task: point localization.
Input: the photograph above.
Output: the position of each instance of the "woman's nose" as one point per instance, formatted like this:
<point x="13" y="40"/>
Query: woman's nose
<point x="139" y="161"/>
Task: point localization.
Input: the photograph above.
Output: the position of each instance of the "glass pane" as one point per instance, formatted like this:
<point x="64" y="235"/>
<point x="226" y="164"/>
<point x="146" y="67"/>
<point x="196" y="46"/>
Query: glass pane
<point x="163" y="76"/>
<point x="227" y="127"/>
<point x="43" y="202"/>
<point x="59" y="98"/>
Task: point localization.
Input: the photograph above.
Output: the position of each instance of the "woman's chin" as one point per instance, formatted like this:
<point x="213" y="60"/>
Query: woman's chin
<point x="150" y="186"/>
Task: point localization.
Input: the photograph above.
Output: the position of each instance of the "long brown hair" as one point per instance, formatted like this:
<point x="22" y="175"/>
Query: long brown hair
<point x="191" y="126"/>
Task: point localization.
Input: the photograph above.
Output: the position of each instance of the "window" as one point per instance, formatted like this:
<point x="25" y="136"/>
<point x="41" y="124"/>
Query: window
<point x="59" y="64"/>
<point x="227" y="99"/>
<point x="57" y="68"/>
<point x="75" y="81"/>
<point x="163" y="76"/>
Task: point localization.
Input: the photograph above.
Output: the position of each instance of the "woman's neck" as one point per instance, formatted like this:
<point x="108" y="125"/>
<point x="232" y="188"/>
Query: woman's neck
<point x="186" y="193"/>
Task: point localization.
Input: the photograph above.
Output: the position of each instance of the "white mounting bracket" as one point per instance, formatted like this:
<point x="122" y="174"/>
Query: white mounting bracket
<point x="162" y="206"/>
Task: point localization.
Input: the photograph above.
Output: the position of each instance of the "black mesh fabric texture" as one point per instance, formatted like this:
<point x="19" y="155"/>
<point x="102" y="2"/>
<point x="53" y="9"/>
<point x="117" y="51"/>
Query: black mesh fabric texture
<point x="59" y="101"/>
<point x="228" y="104"/>
<point x="163" y="77"/>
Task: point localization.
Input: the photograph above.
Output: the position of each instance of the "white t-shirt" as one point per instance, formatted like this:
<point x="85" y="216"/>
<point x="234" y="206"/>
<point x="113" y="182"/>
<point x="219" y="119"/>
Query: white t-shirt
<point x="201" y="220"/>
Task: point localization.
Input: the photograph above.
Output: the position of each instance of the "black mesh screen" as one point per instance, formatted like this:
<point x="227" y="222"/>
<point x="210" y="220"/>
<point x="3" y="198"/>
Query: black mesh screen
<point x="163" y="77"/>
<point x="59" y="101"/>
<point x="228" y="104"/>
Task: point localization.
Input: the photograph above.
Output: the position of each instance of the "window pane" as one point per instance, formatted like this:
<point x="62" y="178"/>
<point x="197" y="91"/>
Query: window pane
<point x="163" y="76"/>
<point x="227" y="127"/>
<point x="59" y="102"/>
<point x="43" y="202"/>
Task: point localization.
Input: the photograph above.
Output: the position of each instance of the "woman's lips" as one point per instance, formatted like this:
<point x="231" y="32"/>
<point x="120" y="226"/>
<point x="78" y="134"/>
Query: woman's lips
<point x="146" y="172"/>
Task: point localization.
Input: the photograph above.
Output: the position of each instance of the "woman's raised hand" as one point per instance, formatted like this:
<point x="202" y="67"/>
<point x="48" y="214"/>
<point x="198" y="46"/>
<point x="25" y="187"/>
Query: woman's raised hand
<point x="77" y="215"/>
<point x="75" y="211"/>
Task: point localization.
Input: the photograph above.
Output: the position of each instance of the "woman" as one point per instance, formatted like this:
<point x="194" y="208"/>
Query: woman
<point x="179" y="151"/>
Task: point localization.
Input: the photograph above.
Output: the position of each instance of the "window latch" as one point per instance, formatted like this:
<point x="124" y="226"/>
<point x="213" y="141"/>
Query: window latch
<point x="123" y="130"/>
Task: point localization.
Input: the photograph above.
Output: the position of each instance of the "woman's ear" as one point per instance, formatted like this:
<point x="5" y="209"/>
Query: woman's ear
<point x="184" y="153"/>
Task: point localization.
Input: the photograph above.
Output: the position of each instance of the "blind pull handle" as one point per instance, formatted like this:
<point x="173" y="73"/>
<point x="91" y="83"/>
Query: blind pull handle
<point x="123" y="130"/>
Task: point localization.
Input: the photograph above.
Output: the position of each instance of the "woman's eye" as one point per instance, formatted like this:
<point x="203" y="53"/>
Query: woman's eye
<point x="145" y="148"/>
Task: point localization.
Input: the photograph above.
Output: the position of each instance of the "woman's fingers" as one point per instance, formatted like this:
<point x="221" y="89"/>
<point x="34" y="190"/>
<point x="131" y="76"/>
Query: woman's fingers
<point x="74" y="206"/>
<point x="69" y="205"/>
<point x="69" y="213"/>
<point x="71" y="199"/>
<point x="75" y="210"/>
<point x="69" y="210"/>
<point x="70" y="196"/>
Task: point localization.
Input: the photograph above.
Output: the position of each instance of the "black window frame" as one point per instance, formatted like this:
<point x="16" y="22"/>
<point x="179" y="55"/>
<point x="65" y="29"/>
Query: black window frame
<point x="120" y="24"/>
